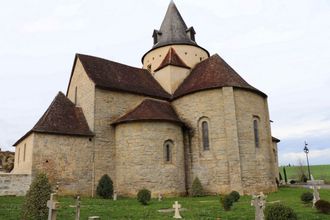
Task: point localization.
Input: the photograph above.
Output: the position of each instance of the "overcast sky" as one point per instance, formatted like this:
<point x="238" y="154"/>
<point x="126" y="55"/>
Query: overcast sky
<point x="281" y="47"/>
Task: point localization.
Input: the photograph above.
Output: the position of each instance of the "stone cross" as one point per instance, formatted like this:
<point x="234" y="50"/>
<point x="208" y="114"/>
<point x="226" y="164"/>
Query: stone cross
<point x="316" y="195"/>
<point x="259" y="202"/>
<point x="160" y="197"/>
<point x="115" y="196"/>
<point x="52" y="205"/>
<point x="78" y="208"/>
<point x="176" y="207"/>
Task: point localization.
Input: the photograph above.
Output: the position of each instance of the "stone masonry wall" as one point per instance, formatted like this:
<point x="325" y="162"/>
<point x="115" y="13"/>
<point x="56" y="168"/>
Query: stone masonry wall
<point x="210" y="166"/>
<point x="109" y="106"/>
<point x="23" y="156"/>
<point x="65" y="159"/>
<point x="257" y="163"/>
<point x="85" y="93"/>
<point x="141" y="160"/>
<point x="14" y="184"/>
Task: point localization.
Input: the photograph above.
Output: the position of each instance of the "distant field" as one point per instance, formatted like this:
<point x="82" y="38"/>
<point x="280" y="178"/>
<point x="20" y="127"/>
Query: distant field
<point x="318" y="171"/>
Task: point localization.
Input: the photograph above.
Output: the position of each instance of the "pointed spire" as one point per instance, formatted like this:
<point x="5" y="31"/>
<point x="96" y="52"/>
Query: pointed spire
<point x="173" y="29"/>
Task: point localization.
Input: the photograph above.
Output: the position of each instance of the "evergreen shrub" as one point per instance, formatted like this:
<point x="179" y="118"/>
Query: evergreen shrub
<point x="35" y="204"/>
<point x="279" y="211"/>
<point x="307" y="197"/>
<point x="144" y="196"/>
<point x="197" y="188"/>
<point x="227" y="202"/>
<point x="105" y="187"/>
<point x="235" y="196"/>
<point x="323" y="206"/>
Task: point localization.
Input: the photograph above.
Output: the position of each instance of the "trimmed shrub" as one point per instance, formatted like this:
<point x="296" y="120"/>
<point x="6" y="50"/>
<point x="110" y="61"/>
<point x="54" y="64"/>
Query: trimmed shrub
<point x="35" y="204"/>
<point x="293" y="182"/>
<point x="235" y="196"/>
<point x="279" y="211"/>
<point x="105" y="187"/>
<point x="323" y="206"/>
<point x="303" y="178"/>
<point x="197" y="188"/>
<point x="307" y="197"/>
<point x="227" y="202"/>
<point x="144" y="196"/>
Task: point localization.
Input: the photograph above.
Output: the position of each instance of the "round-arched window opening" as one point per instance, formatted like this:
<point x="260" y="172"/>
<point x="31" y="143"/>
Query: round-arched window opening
<point x="168" y="151"/>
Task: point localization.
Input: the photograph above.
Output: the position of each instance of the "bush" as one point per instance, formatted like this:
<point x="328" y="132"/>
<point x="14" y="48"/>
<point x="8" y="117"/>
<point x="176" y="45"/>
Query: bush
<point x="292" y="181"/>
<point x="307" y="197"/>
<point x="235" y="196"/>
<point x="197" y="189"/>
<point x="279" y="211"/>
<point x="227" y="202"/>
<point x="144" y="196"/>
<point x="105" y="187"/>
<point x="323" y="206"/>
<point x="35" y="204"/>
<point x="303" y="178"/>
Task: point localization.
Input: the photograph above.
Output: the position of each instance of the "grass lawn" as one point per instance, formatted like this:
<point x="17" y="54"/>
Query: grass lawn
<point x="320" y="172"/>
<point x="201" y="208"/>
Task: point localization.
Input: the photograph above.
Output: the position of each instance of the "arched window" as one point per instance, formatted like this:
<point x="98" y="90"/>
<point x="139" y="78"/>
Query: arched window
<point x="205" y="135"/>
<point x="168" y="148"/>
<point x="256" y="131"/>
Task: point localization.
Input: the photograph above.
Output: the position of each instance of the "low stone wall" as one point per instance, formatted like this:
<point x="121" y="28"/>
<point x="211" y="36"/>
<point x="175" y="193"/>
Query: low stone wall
<point x="14" y="184"/>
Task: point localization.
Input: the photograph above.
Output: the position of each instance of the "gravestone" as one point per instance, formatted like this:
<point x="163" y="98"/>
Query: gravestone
<point x="259" y="202"/>
<point x="176" y="207"/>
<point x="94" y="218"/>
<point x="78" y="208"/>
<point x="316" y="195"/>
<point x="52" y="205"/>
<point x="115" y="196"/>
<point x="160" y="197"/>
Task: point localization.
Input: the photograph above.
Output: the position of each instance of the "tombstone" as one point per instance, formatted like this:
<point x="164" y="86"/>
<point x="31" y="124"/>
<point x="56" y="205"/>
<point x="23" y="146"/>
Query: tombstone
<point x="259" y="202"/>
<point x="115" y="196"/>
<point x="176" y="207"/>
<point x="160" y="197"/>
<point x="78" y="208"/>
<point x="316" y="195"/>
<point x="52" y="205"/>
<point x="94" y="218"/>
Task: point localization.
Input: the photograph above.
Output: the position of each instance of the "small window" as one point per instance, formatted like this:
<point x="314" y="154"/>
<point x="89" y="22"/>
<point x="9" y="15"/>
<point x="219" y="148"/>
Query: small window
<point x="24" y="149"/>
<point x="205" y="135"/>
<point x="168" y="147"/>
<point x="75" y="95"/>
<point x="149" y="67"/>
<point x="256" y="132"/>
<point x="18" y="155"/>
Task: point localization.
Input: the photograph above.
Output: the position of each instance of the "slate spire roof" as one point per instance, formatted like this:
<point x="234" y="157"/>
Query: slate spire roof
<point x="62" y="117"/>
<point x="172" y="58"/>
<point x="173" y="29"/>
<point x="150" y="110"/>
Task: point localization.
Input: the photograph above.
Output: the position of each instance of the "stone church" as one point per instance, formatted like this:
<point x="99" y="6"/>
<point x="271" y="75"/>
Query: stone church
<point x="184" y="114"/>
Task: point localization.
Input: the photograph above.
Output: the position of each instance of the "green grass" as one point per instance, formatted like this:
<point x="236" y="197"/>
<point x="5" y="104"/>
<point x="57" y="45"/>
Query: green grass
<point x="320" y="172"/>
<point x="201" y="208"/>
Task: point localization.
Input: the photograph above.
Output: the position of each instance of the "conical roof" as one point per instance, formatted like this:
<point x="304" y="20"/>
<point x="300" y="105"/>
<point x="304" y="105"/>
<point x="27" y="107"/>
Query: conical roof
<point x="173" y="29"/>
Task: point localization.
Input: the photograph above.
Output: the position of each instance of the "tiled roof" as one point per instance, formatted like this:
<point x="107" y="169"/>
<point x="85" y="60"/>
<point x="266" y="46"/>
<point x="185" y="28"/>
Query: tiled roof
<point x="150" y="110"/>
<point x="62" y="117"/>
<point x="172" y="58"/>
<point x="213" y="72"/>
<point x="274" y="139"/>
<point x="119" y="77"/>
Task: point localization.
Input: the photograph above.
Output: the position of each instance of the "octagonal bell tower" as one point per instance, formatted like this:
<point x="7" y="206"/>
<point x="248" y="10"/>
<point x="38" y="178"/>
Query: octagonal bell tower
<point x="174" y="52"/>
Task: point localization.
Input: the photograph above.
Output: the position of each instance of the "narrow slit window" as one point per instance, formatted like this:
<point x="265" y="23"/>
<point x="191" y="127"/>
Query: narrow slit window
<point x="18" y="155"/>
<point x="168" y="153"/>
<point x="24" y="149"/>
<point x="205" y="135"/>
<point x="75" y="95"/>
<point x="256" y="132"/>
<point x="168" y="148"/>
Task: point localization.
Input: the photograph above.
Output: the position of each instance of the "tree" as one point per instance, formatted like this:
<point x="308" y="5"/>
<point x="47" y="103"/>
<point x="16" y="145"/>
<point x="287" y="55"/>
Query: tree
<point x="105" y="187"/>
<point x="285" y="177"/>
<point x="197" y="188"/>
<point x="35" y="204"/>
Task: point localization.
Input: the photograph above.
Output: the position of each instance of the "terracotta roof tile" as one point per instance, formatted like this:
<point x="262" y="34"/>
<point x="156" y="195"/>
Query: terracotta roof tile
<point x="118" y="77"/>
<point x="150" y="110"/>
<point x="172" y="58"/>
<point x="62" y="117"/>
<point x="213" y="72"/>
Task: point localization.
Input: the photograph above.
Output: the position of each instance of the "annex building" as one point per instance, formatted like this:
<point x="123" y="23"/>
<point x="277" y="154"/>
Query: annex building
<point x="183" y="114"/>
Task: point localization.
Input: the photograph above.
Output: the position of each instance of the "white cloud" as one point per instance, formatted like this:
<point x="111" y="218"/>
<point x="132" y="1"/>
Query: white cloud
<point x="320" y="156"/>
